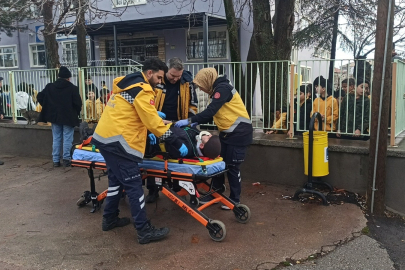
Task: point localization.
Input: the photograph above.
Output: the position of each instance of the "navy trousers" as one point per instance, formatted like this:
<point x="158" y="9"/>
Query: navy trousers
<point x="233" y="157"/>
<point x="124" y="174"/>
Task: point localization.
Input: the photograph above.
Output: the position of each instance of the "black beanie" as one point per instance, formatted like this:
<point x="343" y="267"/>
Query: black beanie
<point x="64" y="73"/>
<point x="212" y="149"/>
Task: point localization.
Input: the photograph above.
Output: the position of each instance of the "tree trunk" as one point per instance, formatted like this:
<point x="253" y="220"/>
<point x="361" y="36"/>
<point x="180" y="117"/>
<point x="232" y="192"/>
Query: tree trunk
<point x="81" y="34"/>
<point x="241" y="78"/>
<point x="232" y="26"/>
<point x="334" y="41"/>
<point x="51" y="45"/>
<point x="272" y="47"/>
<point x="379" y="198"/>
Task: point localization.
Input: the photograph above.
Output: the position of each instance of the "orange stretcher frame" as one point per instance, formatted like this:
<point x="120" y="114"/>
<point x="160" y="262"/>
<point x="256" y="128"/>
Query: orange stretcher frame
<point x="191" y="182"/>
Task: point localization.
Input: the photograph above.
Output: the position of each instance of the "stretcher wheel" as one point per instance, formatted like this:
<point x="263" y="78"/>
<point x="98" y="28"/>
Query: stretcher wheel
<point x="243" y="213"/>
<point x="84" y="199"/>
<point x="218" y="233"/>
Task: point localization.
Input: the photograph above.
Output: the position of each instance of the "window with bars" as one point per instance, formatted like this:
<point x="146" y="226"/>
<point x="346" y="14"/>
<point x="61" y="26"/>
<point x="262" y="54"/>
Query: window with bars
<point x="124" y="3"/>
<point x="70" y="52"/>
<point x="217" y="44"/>
<point x="37" y="55"/>
<point x="138" y="49"/>
<point x="8" y="57"/>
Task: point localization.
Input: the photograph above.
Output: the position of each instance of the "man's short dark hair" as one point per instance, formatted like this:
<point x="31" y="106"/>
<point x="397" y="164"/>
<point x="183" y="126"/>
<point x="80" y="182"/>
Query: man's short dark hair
<point x="154" y="64"/>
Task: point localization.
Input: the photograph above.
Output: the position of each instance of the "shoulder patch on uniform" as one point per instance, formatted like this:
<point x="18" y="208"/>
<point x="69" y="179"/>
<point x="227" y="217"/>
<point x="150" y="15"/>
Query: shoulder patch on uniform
<point x="152" y="102"/>
<point x="217" y="95"/>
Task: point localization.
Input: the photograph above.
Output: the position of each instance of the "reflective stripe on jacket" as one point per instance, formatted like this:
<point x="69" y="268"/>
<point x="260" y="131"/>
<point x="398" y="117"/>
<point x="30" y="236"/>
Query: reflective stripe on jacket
<point x="129" y="114"/>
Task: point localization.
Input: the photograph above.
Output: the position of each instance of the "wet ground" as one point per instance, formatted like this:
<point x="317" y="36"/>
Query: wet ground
<point x="42" y="228"/>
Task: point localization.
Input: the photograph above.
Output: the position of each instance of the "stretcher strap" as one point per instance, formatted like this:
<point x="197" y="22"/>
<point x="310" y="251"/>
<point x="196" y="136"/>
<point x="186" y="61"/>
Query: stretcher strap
<point x="87" y="142"/>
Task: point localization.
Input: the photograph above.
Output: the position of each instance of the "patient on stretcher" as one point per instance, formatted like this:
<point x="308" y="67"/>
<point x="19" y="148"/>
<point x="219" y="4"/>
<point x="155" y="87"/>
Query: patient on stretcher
<point x="198" y="143"/>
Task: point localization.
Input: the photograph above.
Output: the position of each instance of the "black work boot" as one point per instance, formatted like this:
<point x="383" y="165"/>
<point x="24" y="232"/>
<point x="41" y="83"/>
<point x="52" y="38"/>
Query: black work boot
<point x="111" y="223"/>
<point x="56" y="164"/>
<point x="152" y="196"/>
<point x="150" y="233"/>
<point x="1" y="162"/>
<point x="67" y="163"/>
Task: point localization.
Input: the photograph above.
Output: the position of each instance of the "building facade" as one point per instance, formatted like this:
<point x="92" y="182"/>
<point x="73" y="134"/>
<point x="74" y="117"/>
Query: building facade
<point x="144" y="29"/>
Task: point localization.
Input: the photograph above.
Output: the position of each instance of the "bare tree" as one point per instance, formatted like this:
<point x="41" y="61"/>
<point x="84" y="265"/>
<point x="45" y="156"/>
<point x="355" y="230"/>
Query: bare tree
<point x="56" y="14"/>
<point x="12" y="12"/>
<point x="355" y="24"/>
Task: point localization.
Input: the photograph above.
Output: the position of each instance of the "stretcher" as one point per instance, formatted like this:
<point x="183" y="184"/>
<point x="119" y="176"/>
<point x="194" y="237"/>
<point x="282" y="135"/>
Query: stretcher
<point x="188" y="176"/>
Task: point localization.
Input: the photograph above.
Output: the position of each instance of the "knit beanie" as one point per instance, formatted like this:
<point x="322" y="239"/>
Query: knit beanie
<point x="64" y="73"/>
<point x="212" y="148"/>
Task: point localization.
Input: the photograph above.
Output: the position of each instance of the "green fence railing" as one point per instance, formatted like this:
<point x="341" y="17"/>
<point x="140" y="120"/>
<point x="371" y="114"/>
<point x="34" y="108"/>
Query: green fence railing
<point x="267" y="88"/>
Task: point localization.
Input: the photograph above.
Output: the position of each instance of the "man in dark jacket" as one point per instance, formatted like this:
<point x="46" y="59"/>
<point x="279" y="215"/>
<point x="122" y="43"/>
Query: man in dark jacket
<point x="61" y="106"/>
<point x="1" y="107"/>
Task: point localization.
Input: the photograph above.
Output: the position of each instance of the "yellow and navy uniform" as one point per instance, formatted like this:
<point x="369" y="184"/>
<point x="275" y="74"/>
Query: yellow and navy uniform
<point x="229" y="114"/>
<point x="186" y="97"/>
<point x="129" y="114"/>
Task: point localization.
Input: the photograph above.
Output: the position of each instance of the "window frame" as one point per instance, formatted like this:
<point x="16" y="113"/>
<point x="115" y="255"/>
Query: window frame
<point x="72" y="41"/>
<point x="15" y="54"/>
<point x="115" y="5"/>
<point x="200" y="29"/>
<point x="308" y="70"/>
<point x="30" y="45"/>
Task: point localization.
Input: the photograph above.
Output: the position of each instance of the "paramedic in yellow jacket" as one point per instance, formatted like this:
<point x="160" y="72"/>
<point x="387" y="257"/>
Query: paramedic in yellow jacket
<point x="175" y="99"/>
<point x="229" y="113"/>
<point x="176" y="96"/>
<point x="121" y="138"/>
<point x="326" y="105"/>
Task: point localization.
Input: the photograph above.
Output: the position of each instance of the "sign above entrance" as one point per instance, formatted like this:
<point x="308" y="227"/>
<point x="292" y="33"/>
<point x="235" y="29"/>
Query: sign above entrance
<point x="39" y="37"/>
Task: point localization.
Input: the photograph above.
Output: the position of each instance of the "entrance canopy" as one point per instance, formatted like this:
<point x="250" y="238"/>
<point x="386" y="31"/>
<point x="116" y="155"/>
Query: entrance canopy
<point x="152" y="24"/>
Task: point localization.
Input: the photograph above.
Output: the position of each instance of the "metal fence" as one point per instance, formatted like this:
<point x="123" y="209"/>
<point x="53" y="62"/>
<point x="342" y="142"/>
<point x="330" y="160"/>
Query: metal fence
<point x="96" y="84"/>
<point x="267" y="88"/>
<point x="398" y="100"/>
<point x="344" y="102"/>
<point x="250" y="81"/>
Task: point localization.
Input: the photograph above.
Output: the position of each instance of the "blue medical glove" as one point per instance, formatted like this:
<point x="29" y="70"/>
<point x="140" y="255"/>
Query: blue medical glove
<point x="152" y="138"/>
<point x="194" y="124"/>
<point x="162" y="115"/>
<point x="183" y="150"/>
<point x="181" y="123"/>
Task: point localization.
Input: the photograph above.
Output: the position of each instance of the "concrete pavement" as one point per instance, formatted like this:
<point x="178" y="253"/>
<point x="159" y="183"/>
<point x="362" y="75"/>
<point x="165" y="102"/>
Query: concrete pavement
<point x="360" y="254"/>
<point x="42" y="228"/>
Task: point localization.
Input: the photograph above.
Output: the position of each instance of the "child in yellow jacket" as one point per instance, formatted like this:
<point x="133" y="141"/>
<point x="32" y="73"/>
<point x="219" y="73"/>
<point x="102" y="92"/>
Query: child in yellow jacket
<point x="91" y="108"/>
<point x="326" y="105"/>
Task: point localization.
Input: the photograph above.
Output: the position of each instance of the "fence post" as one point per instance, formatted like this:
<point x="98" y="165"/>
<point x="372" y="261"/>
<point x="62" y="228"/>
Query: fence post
<point x="12" y="96"/>
<point x="393" y="103"/>
<point x="80" y="72"/>
<point x="292" y="75"/>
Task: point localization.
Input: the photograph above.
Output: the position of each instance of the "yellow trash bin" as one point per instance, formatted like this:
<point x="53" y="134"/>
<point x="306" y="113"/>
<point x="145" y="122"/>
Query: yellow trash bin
<point x="320" y="165"/>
